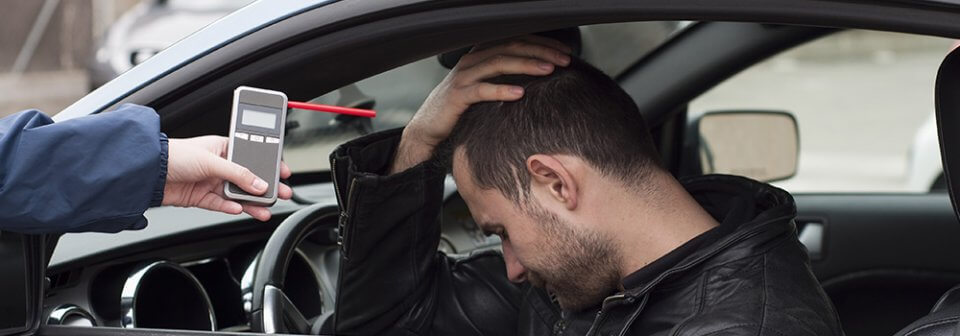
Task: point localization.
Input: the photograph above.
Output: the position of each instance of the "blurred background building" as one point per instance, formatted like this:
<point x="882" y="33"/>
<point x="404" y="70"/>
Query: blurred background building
<point x="53" y="52"/>
<point x="45" y="48"/>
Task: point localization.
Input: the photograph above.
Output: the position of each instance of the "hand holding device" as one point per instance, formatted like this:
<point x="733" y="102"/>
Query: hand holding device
<point x="256" y="140"/>
<point x="196" y="170"/>
<point x="257" y="128"/>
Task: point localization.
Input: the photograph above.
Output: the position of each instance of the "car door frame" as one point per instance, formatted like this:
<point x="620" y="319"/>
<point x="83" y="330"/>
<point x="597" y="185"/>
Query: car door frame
<point x="349" y="40"/>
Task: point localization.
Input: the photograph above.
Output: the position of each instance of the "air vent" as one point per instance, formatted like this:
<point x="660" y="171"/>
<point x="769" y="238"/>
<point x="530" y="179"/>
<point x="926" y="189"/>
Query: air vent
<point x="71" y="315"/>
<point x="64" y="279"/>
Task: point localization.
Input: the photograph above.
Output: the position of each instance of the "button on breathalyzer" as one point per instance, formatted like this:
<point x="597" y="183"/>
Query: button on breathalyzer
<point x="256" y="139"/>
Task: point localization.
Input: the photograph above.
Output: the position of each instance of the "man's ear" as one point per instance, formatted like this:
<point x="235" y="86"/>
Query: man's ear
<point x="549" y="172"/>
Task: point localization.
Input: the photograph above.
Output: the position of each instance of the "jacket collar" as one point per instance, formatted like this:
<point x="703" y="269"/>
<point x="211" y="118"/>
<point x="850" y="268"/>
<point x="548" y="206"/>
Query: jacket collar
<point x="770" y="211"/>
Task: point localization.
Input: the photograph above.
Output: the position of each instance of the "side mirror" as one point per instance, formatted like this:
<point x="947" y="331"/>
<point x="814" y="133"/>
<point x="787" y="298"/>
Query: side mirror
<point x="22" y="264"/>
<point x="762" y="145"/>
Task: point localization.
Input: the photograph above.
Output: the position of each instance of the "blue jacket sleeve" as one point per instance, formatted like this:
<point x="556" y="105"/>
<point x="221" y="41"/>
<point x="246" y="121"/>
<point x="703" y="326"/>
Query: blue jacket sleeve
<point x="96" y="173"/>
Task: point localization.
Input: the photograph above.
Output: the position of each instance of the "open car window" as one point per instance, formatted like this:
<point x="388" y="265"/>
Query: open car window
<point x="863" y="101"/>
<point x="398" y="93"/>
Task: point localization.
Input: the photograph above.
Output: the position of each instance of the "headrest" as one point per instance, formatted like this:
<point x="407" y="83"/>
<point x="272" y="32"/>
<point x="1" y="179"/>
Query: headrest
<point x="947" y="103"/>
<point x="568" y="36"/>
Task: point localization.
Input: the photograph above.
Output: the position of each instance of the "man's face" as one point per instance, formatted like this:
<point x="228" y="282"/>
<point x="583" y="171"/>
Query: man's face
<point x="576" y="264"/>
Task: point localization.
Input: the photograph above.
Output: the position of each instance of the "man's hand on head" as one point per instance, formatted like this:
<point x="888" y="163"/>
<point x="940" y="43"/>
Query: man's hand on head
<point x="196" y="170"/>
<point x="465" y="85"/>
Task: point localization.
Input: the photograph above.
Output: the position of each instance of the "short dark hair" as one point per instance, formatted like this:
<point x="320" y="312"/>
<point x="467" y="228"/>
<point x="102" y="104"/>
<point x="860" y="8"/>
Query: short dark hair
<point x="577" y="110"/>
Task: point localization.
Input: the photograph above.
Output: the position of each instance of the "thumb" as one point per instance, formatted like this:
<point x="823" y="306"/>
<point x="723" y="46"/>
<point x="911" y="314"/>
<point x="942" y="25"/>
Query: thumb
<point x="237" y="174"/>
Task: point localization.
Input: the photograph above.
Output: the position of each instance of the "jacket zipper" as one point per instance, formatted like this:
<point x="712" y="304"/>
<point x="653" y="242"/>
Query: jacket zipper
<point x="610" y="300"/>
<point x="336" y="189"/>
<point x="345" y="217"/>
<point x="633" y="317"/>
<point x="345" y="206"/>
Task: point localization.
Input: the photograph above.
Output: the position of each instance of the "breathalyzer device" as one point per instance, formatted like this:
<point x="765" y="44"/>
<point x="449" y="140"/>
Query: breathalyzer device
<point x="256" y="139"/>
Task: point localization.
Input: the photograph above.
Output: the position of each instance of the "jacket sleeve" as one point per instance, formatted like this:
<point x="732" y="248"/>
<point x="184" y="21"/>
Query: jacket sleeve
<point x="392" y="278"/>
<point x="95" y="173"/>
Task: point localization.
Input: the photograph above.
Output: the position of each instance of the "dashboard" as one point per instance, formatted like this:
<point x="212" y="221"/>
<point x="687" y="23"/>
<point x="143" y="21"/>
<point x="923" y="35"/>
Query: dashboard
<point x="193" y="270"/>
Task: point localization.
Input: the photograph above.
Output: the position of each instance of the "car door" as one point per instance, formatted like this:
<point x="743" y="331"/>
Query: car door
<point x="881" y="242"/>
<point x="321" y="49"/>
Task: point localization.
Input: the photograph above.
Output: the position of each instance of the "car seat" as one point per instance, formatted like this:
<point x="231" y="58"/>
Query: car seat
<point x="944" y="317"/>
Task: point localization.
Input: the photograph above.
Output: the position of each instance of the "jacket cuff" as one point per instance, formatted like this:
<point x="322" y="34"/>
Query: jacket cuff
<point x="373" y="155"/>
<point x="364" y="186"/>
<point x="158" y="189"/>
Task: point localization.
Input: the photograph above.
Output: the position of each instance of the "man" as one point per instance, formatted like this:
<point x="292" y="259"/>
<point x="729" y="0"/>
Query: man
<point x="101" y="172"/>
<point x="597" y="238"/>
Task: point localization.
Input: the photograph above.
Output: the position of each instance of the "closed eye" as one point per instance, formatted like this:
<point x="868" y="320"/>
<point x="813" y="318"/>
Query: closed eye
<point x="498" y="232"/>
<point x="493" y="229"/>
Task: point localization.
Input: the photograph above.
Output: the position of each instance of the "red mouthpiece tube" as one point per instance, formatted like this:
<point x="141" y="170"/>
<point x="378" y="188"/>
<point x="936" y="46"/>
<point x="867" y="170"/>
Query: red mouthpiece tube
<point x="332" y="109"/>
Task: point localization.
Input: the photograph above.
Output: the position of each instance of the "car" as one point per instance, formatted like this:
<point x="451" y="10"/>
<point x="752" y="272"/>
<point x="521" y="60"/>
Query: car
<point x="148" y="28"/>
<point x="883" y="258"/>
<point x="926" y="169"/>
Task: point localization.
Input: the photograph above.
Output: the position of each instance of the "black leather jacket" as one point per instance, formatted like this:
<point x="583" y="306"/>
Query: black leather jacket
<point x="754" y="280"/>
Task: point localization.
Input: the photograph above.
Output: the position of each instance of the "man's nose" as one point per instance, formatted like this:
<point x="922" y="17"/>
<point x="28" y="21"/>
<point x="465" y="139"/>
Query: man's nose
<point x="515" y="271"/>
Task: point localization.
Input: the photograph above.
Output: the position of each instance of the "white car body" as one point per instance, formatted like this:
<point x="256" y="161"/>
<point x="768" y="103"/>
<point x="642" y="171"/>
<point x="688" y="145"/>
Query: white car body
<point x="924" y="164"/>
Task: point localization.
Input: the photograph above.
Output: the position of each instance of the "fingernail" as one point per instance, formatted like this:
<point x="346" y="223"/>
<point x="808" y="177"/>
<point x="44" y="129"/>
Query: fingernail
<point x="545" y="66"/>
<point x="260" y="184"/>
<point x="516" y="90"/>
<point x="564" y="59"/>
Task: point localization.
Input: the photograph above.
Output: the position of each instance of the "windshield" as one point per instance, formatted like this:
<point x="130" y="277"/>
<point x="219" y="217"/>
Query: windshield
<point x="398" y="93"/>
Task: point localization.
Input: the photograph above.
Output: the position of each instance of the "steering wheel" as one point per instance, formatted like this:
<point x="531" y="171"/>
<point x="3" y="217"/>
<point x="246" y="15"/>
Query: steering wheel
<point x="271" y="310"/>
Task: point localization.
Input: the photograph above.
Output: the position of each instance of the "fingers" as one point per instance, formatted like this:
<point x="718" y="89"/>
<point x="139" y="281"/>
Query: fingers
<point x="259" y="212"/>
<point x="284" y="170"/>
<point x="215" y="144"/>
<point x="212" y="201"/>
<point x="242" y="177"/>
<point x="501" y="64"/>
<point x="220" y="145"/>
<point x="481" y="92"/>
<point x="557" y="54"/>
<point x="215" y="201"/>
<point x="284" y="191"/>
<point x="517" y="57"/>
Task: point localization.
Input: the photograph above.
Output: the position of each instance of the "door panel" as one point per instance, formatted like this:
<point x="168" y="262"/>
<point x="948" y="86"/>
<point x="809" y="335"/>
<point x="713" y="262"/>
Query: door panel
<point x="885" y="259"/>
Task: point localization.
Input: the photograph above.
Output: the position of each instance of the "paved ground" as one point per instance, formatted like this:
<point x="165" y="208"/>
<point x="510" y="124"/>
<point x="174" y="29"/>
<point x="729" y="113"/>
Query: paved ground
<point x="50" y="92"/>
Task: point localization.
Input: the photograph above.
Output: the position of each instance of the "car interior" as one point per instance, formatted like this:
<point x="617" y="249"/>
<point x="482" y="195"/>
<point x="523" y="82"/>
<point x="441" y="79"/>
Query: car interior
<point x="945" y="313"/>
<point x="886" y="260"/>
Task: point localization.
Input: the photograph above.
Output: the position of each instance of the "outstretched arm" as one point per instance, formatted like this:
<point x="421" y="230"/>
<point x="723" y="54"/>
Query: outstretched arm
<point x="101" y="172"/>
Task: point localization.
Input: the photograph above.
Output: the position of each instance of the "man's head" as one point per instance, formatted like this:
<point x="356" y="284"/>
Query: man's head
<point x="531" y="170"/>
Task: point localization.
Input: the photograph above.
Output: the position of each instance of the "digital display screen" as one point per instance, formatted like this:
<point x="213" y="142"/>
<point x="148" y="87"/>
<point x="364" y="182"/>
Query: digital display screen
<point x="258" y="119"/>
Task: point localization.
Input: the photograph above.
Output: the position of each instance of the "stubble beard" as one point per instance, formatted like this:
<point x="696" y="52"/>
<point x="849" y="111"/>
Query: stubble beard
<point x="579" y="267"/>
